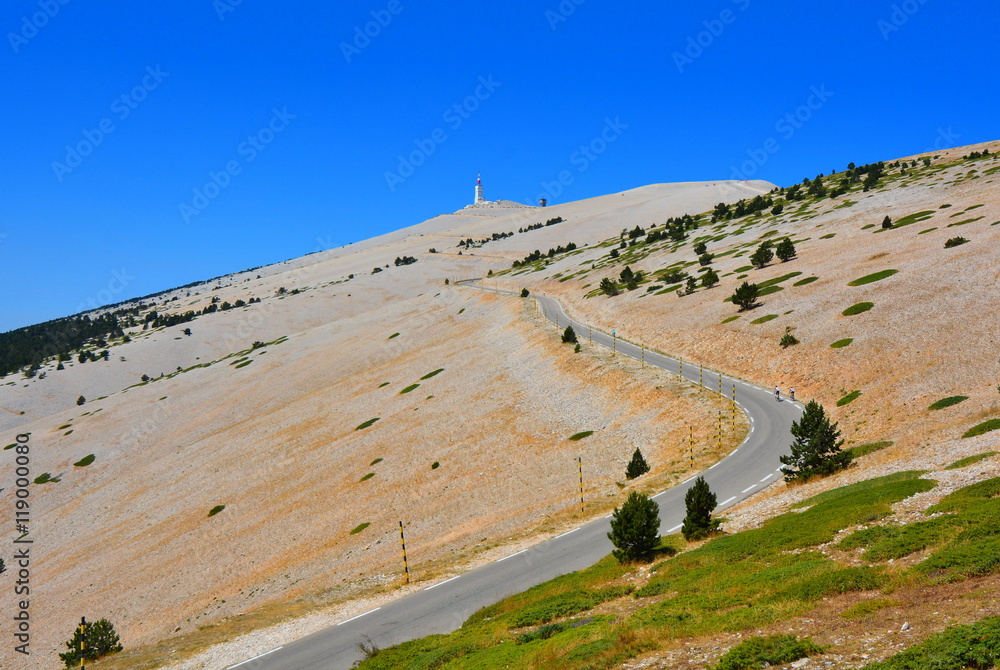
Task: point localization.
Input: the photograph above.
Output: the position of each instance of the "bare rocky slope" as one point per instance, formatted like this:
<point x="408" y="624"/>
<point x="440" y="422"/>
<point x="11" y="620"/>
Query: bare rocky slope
<point x="273" y="432"/>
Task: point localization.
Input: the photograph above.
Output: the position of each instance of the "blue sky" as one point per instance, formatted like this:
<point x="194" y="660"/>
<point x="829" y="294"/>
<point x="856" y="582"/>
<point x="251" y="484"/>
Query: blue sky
<point x="151" y="146"/>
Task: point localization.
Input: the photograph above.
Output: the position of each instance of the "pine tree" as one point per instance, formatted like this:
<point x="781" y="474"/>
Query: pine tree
<point x="609" y="286"/>
<point x="785" y="250"/>
<point x="635" y="528"/>
<point x="710" y="278"/>
<point x="815" y="447"/>
<point x="887" y="222"/>
<point x="745" y="297"/>
<point x="638" y="466"/>
<point x="101" y="640"/>
<point x="699" y="502"/>
<point x="763" y="255"/>
<point x="81" y="400"/>
<point x="569" y="335"/>
<point x="525" y="293"/>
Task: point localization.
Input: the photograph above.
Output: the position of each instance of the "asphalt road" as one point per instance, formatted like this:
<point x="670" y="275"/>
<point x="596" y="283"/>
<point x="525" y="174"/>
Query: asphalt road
<point x="444" y="606"/>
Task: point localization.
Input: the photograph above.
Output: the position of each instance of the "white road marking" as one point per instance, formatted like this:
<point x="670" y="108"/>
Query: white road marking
<point x="433" y="586"/>
<point x="511" y="556"/>
<point x="778" y="470"/>
<point x="751" y="488"/>
<point x="714" y="465"/>
<point x="254" y="658"/>
<point x="566" y="533"/>
<point x="377" y="609"/>
<point x="675" y="528"/>
<point x="727" y="501"/>
<point x="687" y="480"/>
<point x="766" y="478"/>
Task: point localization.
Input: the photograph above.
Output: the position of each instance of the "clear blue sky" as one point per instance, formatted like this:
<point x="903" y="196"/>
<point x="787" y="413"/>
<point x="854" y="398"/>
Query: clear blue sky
<point x="200" y="78"/>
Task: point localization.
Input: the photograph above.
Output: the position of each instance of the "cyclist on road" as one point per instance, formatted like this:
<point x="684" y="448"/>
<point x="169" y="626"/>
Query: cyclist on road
<point x="777" y="394"/>
<point x="792" y="392"/>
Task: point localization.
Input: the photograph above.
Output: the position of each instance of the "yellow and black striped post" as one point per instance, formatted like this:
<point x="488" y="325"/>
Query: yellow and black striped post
<point x="579" y="461"/>
<point x="83" y="643"/>
<point x="720" y="383"/>
<point x="402" y="543"/>
<point x="590" y="334"/>
<point x="701" y="374"/>
<point x="644" y="356"/>
<point x="680" y="368"/>
<point x="614" y="344"/>
<point x="720" y="430"/>
<point x="691" y="444"/>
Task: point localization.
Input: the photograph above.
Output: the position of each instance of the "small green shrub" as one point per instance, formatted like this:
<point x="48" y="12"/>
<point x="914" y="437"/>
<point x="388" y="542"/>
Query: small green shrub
<point x="525" y="293"/>
<point x="580" y="436"/>
<point x="368" y="423"/>
<point x="359" y="528"/>
<point x="860" y="308"/>
<point x="432" y="374"/>
<point x="761" y="652"/>
<point x="955" y="242"/>
<point x="85" y="461"/>
<point x="969" y="460"/>
<point x="46" y="478"/>
<point x="849" y="398"/>
<point x="840" y="344"/>
<point x="974" y="646"/>
<point x="392" y="336"/>
<point x="984" y="427"/>
<point x="868" y="279"/>
<point x="409" y="388"/>
<point x="435" y="465"/>
<point x="543" y="633"/>
<point x="948" y="402"/>
<point x="788" y="340"/>
<point x="215" y="510"/>
<point x="367" y="477"/>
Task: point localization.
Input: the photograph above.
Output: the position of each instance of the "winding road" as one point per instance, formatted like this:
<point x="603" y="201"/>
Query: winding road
<point x="444" y="606"/>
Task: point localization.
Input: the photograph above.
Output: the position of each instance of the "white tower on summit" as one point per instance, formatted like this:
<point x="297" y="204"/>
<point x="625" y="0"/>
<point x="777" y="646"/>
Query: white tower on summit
<point x="479" y="190"/>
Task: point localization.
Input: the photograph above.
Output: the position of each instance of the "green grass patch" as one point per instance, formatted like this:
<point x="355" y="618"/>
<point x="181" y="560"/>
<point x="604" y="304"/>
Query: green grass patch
<point x="745" y="268"/>
<point x="580" y="436"/>
<point x="367" y="477"/>
<point x="868" y="608"/>
<point x="243" y="364"/>
<point x="829" y="236"/>
<point x="913" y="218"/>
<point x="359" y="528"/>
<point x="68" y="432"/>
<point x="10" y="446"/>
<point x="409" y="388"/>
<point x="948" y="402"/>
<point x="859" y="308"/>
<point x="375" y="462"/>
<point x="46" y="478"/>
<point x="778" y="280"/>
<point x="982" y="428"/>
<point x="974" y="645"/>
<point x="383" y="384"/>
<point x="394" y="335"/>
<point x="68" y="425"/>
<point x="765" y="319"/>
<point x="432" y="374"/>
<point x="928" y="230"/>
<point x="435" y="465"/>
<point x="849" y="398"/>
<point x="85" y="461"/>
<point x="962" y="223"/>
<point x="868" y="279"/>
<point x="860" y="450"/>
<point x="368" y="423"/>
<point x="731" y="319"/>
<point x="807" y="280"/>
<point x="215" y="510"/>
<point x="840" y="344"/>
<point x="461" y="310"/>
<point x="769" y="290"/>
<point x="969" y="460"/>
